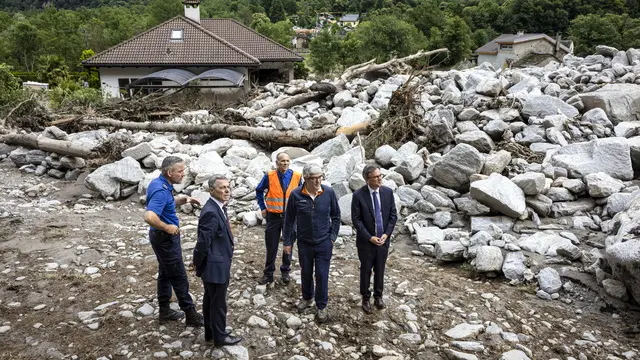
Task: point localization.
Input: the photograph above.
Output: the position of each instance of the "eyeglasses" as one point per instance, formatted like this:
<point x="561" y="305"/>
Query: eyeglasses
<point x="315" y="178"/>
<point x="376" y="177"/>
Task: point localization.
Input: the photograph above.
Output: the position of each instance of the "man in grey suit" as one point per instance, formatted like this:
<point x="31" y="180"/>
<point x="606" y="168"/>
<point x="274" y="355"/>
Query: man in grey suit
<point x="212" y="260"/>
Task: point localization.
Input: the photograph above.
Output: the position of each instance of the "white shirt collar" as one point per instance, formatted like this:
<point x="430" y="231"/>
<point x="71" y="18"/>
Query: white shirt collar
<point x="220" y="203"/>
<point x="371" y="190"/>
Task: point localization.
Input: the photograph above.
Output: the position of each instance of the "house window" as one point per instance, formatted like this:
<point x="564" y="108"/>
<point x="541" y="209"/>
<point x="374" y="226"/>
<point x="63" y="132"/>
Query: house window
<point x="506" y="47"/>
<point x="176" y="35"/>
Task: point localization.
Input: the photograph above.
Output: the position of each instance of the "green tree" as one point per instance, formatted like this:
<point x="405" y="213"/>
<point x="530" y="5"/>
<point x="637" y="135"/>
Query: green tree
<point x="619" y="31"/>
<point x="276" y="11"/>
<point x="537" y="16"/>
<point x="455" y="36"/>
<point x="426" y="16"/>
<point x="326" y="51"/>
<point x="282" y="31"/>
<point x="25" y="44"/>
<point x="384" y="37"/>
<point x="162" y="10"/>
<point x="11" y="90"/>
<point x="52" y="69"/>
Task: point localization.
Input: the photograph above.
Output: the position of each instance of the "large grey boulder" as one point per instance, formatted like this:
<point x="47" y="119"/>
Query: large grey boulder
<point x="544" y="105"/>
<point x="128" y="171"/>
<point x="101" y="181"/>
<point x="531" y="183"/>
<point x="340" y="168"/>
<point x="332" y="147"/>
<point x="513" y="266"/>
<point x="454" y="168"/>
<point x="549" y="280"/>
<point x="499" y="193"/>
<point x="488" y="259"/>
<point x="448" y="251"/>
<point x="351" y="116"/>
<point x="611" y="156"/>
<point x="621" y="102"/>
<point x="478" y="139"/>
<point x="597" y="116"/>
<point x="345" y="208"/>
<point x="411" y="167"/>
<point x="384" y="154"/>
<point x="602" y="185"/>
<point x="138" y="152"/>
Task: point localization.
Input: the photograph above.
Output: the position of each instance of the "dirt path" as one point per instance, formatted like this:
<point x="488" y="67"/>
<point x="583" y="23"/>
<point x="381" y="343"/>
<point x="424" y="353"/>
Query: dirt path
<point x="43" y="304"/>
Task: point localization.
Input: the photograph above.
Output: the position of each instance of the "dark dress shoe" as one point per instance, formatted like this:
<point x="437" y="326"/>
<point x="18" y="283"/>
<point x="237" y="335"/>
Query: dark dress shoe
<point x="379" y="303"/>
<point x="229" y="340"/>
<point x="366" y="306"/>
<point x="286" y="278"/>
<point x="265" y="280"/>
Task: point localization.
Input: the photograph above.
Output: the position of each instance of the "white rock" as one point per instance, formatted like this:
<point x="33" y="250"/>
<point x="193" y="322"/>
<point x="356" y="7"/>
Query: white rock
<point x="464" y="330"/>
<point x="549" y="280"/>
<point x="145" y="310"/>
<point x="499" y="193"/>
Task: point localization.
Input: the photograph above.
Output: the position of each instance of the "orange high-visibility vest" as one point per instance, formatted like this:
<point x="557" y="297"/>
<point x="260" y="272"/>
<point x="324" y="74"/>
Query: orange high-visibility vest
<point x="276" y="200"/>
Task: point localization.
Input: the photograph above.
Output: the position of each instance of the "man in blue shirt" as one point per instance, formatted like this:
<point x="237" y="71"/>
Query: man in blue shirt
<point x="164" y="236"/>
<point x="313" y="212"/>
<point x="278" y="185"/>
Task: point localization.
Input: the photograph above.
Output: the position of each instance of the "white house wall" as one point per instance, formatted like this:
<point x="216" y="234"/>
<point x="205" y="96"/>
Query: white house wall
<point x="109" y="77"/>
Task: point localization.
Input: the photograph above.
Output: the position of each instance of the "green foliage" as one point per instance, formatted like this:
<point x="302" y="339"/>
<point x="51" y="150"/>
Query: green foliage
<point x="11" y="91"/>
<point x="300" y="70"/>
<point x="384" y="37"/>
<point x="326" y="52"/>
<point x="70" y="94"/>
<point x="282" y="31"/>
<point x="455" y="36"/>
<point x="52" y="69"/>
<point x="619" y="31"/>
<point x="162" y="10"/>
<point x="90" y="75"/>
<point x="276" y="11"/>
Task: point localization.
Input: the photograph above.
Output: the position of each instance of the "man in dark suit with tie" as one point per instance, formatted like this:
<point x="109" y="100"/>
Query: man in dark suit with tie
<point x="212" y="260"/>
<point x="374" y="216"/>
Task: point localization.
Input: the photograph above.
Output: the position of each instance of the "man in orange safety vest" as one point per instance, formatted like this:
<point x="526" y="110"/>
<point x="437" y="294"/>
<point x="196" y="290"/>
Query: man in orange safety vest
<point x="277" y="184"/>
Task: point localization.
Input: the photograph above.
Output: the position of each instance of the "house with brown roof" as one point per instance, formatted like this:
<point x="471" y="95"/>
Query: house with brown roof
<point x="507" y="49"/>
<point x="218" y="54"/>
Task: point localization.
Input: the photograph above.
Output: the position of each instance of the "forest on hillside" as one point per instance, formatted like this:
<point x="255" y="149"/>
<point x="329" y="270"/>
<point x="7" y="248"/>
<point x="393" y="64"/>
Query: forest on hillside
<point x="47" y="40"/>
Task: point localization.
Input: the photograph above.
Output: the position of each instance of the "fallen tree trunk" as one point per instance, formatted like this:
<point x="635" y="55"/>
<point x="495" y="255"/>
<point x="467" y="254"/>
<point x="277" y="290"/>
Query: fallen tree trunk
<point x="291" y="102"/>
<point x="60" y="147"/>
<point x="357" y="70"/>
<point x="290" y="137"/>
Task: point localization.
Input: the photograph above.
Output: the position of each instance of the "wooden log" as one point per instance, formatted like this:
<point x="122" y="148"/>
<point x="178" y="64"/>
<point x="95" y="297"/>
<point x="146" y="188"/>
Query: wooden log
<point x="287" y="103"/>
<point x="60" y="147"/>
<point x="289" y="138"/>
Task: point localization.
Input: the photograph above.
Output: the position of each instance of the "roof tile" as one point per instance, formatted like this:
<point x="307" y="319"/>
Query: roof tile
<point x="154" y="47"/>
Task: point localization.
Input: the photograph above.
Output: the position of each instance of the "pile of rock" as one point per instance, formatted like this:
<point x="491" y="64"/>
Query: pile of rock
<point x="471" y="199"/>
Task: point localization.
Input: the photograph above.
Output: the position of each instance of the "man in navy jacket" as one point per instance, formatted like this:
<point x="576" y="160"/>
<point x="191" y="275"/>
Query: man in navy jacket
<point x="212" y="260"/>
<point x="313" y="209"/>
<point x="374" y="215"/>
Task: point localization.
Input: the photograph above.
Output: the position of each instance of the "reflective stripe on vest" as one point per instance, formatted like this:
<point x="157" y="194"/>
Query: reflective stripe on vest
<point x="275" y="200"/>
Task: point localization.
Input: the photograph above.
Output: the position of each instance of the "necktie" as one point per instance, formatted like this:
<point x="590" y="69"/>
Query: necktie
<point x="378" y="214"/>
<point x="226" y="216"/>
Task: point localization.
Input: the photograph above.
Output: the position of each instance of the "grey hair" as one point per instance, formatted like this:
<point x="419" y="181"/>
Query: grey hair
<point x="368" y="169"/>
<point x="169" y="162"/>
<point x="215" y="177"/>
<point x="312" y="169"/>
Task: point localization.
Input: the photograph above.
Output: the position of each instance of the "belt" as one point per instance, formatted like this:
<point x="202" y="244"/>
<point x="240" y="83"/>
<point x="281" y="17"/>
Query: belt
<point x="275" y="214"/>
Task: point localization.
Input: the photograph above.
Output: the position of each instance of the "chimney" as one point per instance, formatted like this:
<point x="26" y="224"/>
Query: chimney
<point x="520" y="33"/>
<point x="192" y="10"/>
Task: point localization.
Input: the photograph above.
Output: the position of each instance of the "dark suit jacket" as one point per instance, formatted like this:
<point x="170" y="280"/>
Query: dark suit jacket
<point x="214" y="249"/>
<point x="364" y="219"/>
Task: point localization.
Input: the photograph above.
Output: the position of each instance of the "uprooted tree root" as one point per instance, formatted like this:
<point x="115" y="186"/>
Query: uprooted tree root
<point x="110" y="150"/>
<point x="399" y="123"/>
<point x="520" y="151"/>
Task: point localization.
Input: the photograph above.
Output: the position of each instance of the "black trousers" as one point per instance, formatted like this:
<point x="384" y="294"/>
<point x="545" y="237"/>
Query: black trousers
<point x="171" y="272"/>
<point x="372" y="257"/>
<point x="214" y="310"/>
<point x="272" y="241"/>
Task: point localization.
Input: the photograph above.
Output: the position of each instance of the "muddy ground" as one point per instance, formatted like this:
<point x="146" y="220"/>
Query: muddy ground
<point x="40" y="302"/>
